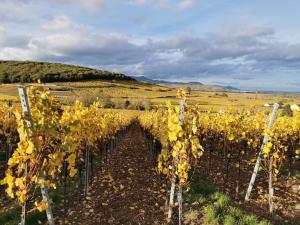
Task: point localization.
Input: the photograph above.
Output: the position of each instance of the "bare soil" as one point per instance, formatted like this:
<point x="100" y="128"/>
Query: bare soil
<point x="127" y="190"/>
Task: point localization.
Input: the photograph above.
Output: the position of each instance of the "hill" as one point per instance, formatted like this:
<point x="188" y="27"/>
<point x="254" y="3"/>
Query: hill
<point x="148" y="80"/>
<point x="28" y="72"/>
<point x="195" y="86"/>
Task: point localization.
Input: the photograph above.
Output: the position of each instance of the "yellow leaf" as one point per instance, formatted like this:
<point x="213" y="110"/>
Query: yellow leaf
<point x="73" y="172"/>
<point x="42" y="206"/>
<point x="30" y="147"/>
<point x="231" y="137"/>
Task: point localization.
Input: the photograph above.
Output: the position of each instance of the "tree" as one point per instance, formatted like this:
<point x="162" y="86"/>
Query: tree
<point x="126" y="104"/>
<point x="188" y="90"/>
<point x="287" y="111"/>
<point x="4" y="78"/>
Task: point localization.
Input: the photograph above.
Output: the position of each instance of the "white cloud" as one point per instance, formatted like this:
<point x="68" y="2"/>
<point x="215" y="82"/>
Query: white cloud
<point x="237" y="55"/>
<point x="89" y="5"/>
<point x="2" y="36"/>
<point x="138" y="2"/>
<point x="64" y="40"/>
<point x="172" y="56"/>
<point x="12" y="53"/>
<point x="58" y="23"/>
<point x="64" y="24"/>
<point x="16" y="11"/>
<point x="184" y="4"/>
<point x="156" y="4"/>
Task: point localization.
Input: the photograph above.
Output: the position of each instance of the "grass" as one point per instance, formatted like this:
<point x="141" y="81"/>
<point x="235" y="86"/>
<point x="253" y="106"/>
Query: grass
<point x="293" y="173"/>
<point x="209" y="206"/>
<point x="12" y="216"/>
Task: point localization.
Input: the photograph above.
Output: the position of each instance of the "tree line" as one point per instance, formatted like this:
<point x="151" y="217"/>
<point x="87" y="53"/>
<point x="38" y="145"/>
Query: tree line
<point x="29" y="72"/>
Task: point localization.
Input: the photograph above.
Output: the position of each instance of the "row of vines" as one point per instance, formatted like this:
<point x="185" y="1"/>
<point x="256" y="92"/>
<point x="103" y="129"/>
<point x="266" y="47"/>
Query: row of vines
<point x="49" y="142"/>
<point x="237" y="139"/>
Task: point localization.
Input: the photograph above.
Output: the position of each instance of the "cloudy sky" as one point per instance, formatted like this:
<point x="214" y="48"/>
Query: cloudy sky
<point x="247" y="44"/>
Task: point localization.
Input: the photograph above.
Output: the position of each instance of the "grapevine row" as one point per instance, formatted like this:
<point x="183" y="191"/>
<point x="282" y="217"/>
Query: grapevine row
<point x="56" y="137"/>
<point x="233" y="137"/>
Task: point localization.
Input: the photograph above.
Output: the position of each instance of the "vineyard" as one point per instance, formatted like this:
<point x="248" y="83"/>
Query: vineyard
<point x="85" y="165"/>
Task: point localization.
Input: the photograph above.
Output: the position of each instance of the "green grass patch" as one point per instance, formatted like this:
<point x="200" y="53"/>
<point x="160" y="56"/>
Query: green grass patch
<point x="211" y="207"/>
<point x="293" y="173"/>
<point x="13" y="216"/>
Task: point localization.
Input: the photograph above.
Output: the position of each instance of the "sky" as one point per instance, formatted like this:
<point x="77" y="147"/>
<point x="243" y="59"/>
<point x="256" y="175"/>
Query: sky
<point x="252" y="45"/>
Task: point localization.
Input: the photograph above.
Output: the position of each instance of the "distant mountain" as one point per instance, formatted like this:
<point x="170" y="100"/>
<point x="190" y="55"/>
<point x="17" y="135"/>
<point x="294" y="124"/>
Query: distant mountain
<point x="228" y="87"/>
<point x="154" y="81"/>
<point x="197" y="86"/>
<point x="29" y="71"/>
<point x="145" y="79"/>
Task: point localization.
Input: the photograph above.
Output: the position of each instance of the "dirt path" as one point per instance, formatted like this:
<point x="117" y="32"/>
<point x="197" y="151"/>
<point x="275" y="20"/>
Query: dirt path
<point x="127" y="190"/>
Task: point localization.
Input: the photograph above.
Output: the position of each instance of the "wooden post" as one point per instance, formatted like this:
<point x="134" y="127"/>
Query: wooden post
<point x="239" y="176"/>
<point x="271" y="190"/>
<point x="87" y="171"/>
<point x="171" y="201"/>
<point x="27" y="113"/>
<point x="26" y="110"/>
<point x="180" y="204"/>
<point x="9" y="152"/>
<point x="46" y="199"/>
<point x="65" y="192"/>
<point x="179" y="194"/>
<point x="173" y="185"/>
<point x="259" y="158"/>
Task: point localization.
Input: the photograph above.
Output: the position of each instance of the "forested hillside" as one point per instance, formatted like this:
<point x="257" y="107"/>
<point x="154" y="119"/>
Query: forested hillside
<point x="27" y="71"/>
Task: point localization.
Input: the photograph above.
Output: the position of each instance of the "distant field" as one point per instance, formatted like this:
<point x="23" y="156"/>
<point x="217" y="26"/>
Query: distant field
<point x="121" y="91"/>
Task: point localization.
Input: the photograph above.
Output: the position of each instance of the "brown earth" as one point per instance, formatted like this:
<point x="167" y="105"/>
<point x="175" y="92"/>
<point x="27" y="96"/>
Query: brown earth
<point x="126" y="191"/>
